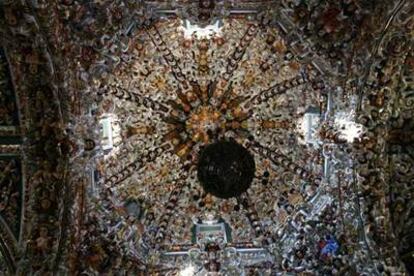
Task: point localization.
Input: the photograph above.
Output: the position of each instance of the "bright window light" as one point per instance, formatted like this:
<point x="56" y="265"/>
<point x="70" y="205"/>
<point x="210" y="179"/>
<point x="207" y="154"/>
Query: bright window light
<point x="106" y="133"/>
<point x="348" y="129"/>
<point x="199" y="32"/>
<point x="308" y="125"/>
<point x="188" y="271"/>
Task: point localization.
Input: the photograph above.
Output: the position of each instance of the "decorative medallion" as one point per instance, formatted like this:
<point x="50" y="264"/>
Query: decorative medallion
<point x="226" y="169"/>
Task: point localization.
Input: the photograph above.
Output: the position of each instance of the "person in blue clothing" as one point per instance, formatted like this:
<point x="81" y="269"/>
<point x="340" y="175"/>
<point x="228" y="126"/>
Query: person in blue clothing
<point x="331" y="247"/>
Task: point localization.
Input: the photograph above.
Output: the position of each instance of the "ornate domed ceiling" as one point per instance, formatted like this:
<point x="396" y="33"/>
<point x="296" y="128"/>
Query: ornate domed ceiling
<point x="197" y="137"/>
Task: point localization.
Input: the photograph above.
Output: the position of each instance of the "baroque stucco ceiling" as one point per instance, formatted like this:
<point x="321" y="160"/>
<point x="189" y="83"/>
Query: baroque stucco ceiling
<point x="327" y="198"/>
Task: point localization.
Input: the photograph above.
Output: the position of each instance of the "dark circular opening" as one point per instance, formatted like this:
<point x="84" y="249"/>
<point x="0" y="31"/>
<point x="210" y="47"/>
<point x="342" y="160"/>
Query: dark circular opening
<point x="225" y="169"/>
